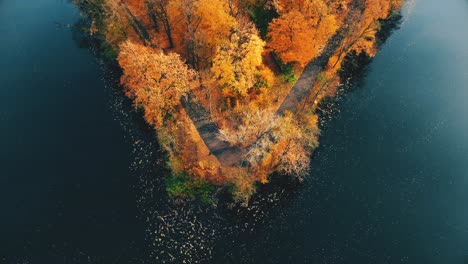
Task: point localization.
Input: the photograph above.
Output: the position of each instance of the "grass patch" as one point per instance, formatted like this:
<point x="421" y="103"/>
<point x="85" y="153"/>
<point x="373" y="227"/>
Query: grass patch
<point x="287" y="69"/>
<point x="185" y="186"/>
<point x="290" y="78"/>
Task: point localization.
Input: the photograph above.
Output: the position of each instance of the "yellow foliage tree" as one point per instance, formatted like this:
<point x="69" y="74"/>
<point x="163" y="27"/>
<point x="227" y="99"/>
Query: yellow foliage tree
<point x="236" y="63"/>
<point x="296" y="140"/>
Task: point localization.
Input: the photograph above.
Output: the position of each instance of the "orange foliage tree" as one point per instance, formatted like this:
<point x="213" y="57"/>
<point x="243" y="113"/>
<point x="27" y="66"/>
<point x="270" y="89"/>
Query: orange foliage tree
<point x="302" y="30"/>
<point x="199" y="26"/>
<point x="155" y="80"/>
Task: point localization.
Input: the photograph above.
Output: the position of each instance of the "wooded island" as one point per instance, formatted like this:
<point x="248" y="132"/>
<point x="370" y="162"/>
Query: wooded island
<point x="232" y="86"/>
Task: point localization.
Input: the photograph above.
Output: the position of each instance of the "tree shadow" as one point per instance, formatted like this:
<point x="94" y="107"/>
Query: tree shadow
<point x="354" y="70"/>
<point x="387" y="27"/>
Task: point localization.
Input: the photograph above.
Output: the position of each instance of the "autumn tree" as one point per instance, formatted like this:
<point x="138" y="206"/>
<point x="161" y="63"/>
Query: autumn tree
<point x="237" y="60"/>
<point x="215" y="27"/>
<point x="250" y="124"/>
<point x="199" y="27"/>
<point x="155" y="80"/>
<point x="364" y="28"/>
<point x="297" y="137"/>
<point x="302" y="30"/>
<point x="364" y="23"/>
<point x="286" y="146"/>
<point x="290" y="37"/>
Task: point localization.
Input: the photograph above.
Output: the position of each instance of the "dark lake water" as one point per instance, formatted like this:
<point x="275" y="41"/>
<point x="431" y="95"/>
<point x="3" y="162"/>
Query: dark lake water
<point x="81" y="174"/>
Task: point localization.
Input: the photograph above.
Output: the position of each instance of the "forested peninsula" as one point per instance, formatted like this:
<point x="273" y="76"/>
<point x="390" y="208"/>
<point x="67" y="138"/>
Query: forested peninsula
<point x="232" y="87"/>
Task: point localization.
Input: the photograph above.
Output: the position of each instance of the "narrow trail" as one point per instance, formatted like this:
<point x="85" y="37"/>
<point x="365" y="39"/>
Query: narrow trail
<point x="304" y="86"/>
<point x="209" y="131"/>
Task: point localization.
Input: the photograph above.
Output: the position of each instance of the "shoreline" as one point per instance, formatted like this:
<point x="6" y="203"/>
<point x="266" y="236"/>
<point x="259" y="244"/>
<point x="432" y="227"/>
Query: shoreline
<point x="101" y="51"/>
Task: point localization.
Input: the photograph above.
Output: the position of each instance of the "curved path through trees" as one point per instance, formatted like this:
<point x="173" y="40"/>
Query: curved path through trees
<point x="229" y="155"/>
<point x="232" y="156"/>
